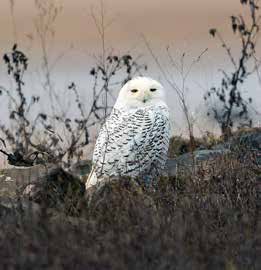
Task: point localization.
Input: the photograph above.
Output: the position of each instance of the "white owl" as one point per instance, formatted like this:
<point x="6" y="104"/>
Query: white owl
<point x="134" y="139"/>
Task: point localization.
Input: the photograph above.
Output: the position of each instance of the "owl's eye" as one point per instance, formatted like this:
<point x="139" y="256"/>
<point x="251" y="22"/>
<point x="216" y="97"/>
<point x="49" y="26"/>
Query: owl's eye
<point x="134" y="90"/>
<point x="153" y="89"/>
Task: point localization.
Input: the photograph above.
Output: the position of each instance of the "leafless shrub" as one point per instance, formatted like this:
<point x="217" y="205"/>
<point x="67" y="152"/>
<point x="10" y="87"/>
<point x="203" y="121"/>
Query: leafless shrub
<point x="44" y="22"/>
<point x="180" y="89"/>
<point x="39" y="132"/>
<point x="20" y="138"/>
<point x="234" y="107"/>
<point x="111" y="69"/>
<point x="54" y="146"/>
<point x="114" y="65"/>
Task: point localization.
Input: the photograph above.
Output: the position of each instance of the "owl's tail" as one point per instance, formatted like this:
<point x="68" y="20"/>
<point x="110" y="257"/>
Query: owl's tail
<point x="92" y="179"/>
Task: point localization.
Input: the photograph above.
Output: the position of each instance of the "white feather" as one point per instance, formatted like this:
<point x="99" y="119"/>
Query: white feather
<point x="134" y="139"/>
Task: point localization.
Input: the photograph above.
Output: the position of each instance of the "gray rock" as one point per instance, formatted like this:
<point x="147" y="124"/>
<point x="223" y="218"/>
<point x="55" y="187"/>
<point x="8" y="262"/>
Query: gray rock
<point x="248" y="142"/>
<point x="207" y="154"/>
<point x="188" y="160"/>
<point x="13" y="181"/>
<point x="221" y="146"/>
<point x="251" y="139"/>
<point x="17" y="178"/>
<point x="46" y="185"/>
<point x="30" y="181"/>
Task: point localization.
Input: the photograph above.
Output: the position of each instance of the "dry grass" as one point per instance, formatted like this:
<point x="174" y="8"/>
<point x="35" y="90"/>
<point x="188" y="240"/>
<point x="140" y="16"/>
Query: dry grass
<point x="210" y="220"/>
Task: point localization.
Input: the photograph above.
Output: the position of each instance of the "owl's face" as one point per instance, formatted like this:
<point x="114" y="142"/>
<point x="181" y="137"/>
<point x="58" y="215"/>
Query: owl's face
<point x="141" y="92"/>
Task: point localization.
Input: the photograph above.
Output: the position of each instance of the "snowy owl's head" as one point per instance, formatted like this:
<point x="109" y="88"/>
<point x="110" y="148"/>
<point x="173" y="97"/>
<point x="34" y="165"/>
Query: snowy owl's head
<point x="140" y="92"/>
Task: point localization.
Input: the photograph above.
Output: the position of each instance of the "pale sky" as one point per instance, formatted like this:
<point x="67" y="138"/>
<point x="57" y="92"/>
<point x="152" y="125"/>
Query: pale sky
<point x="162" y="21"/>
<point x="182" y="25"/>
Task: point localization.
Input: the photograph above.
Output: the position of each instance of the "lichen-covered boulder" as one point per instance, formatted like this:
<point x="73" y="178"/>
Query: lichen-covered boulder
<point x="50" y="186"/>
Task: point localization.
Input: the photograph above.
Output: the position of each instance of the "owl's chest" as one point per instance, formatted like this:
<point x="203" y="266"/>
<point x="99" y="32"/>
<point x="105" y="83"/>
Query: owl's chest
<point x="145" y="130"/>
<point x="129" y="133"/>
<point x="130" y="142"/>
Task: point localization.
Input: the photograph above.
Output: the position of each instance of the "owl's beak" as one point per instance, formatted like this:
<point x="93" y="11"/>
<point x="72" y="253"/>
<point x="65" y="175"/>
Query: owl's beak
<point x="146" y="97"/>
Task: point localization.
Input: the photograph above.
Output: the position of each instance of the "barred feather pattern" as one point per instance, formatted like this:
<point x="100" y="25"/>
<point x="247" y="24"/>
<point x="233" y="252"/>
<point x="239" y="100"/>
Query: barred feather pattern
<point x="133" y="143"/>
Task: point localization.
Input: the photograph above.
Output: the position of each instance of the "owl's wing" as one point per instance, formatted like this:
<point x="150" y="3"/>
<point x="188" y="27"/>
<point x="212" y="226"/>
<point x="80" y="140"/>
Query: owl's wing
<point x="130" y="141"/>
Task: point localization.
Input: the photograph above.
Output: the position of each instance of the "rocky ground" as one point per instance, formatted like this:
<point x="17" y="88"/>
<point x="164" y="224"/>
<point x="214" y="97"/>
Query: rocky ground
<point x="204" y="214"/>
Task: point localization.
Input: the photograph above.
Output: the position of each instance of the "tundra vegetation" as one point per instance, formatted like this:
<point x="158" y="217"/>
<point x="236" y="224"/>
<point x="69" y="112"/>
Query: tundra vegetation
<point x="205" y="217"/>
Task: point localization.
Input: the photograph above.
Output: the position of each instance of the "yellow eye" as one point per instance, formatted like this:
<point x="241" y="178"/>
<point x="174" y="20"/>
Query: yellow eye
<point x="153" y="89"/>
<point x="134" y="90"/>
